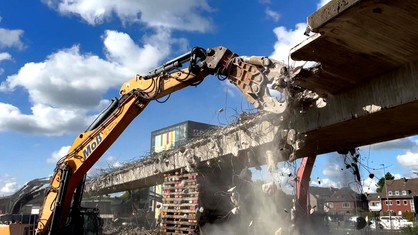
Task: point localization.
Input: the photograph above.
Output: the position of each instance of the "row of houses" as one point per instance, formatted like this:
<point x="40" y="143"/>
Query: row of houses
<point x="401" y="196"/>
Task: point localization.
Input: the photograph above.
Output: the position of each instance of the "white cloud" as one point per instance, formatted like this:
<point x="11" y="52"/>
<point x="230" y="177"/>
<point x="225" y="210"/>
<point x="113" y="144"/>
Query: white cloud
<point x="9" y="188"/>
<point x="43" y="120"/>
<point x="5" y="56"/>
<point x="397" y="176"/>
<point x="117" y="164"/>
<point x="113" y="162"/>
<point x="286" y="40"/>
<point x="68" y="73"/>
<point x="110" y="159"/>
<point x="82" y="76"/>
<point x="9" y="38"/>
<point x="274" y="15"/>
<point x="322" y="3"/>
<point x="369" y="185"/>
<point x="57" y="155"/>
<point x="230" y="88"/>
<point x="8" y="184"/>
<point x="333" y="170"/>
<point x="326" y="183"/>
<point x="182" y="15"/>
<point x="408" y="160"/>
<point x="289" y="38"/>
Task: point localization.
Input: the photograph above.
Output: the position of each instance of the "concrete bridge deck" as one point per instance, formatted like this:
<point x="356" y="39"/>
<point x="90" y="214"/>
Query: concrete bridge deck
<point x="369" y="78"/>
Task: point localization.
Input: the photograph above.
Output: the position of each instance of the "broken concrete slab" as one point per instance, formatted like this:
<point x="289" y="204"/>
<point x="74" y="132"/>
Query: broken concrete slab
<point x="357" y="40"/>
<point x="256" y="134"/>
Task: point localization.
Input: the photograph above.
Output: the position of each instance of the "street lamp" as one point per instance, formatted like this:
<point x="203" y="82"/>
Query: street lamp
<point x="387" y="196"/>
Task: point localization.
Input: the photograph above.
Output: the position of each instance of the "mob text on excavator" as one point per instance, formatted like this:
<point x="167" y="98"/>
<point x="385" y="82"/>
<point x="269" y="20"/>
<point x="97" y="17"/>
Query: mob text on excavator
<point x="61" y="212"/>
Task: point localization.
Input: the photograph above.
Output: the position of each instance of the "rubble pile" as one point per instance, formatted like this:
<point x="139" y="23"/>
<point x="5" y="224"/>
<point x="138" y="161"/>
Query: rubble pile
<point x="128" y="230"/>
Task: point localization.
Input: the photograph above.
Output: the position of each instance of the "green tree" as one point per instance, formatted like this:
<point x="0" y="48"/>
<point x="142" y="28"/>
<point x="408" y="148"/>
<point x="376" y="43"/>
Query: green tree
<point x="408" y="215"/>
<point x="133" y="196"/>
<point x="381" y="181"/>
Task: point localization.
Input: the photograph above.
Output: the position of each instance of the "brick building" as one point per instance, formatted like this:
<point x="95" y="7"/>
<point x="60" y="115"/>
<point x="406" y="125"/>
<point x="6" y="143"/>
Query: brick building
<point x="375" y="203"/>
<point x="319" y="195"/>
<point x="400" y="196"/>
<point x="345" y="201"/>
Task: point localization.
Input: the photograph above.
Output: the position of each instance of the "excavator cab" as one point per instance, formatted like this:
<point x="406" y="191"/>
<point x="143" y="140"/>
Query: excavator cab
<point x="92" y="223"/>
<point x="86" y="221"/>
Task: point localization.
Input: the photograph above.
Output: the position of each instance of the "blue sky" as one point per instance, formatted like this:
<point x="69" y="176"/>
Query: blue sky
<point x="61" y="62"/>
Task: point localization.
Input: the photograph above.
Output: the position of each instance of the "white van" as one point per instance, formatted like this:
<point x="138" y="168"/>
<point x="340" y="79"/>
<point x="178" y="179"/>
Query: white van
<point x="397" y="222"/>
<point x="404" y="222"/>
<point x="384" y="220"/>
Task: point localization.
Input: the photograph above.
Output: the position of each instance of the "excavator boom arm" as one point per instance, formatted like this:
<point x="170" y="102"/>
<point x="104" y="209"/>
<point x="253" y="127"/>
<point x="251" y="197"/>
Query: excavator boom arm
<point x="250" y="75"/>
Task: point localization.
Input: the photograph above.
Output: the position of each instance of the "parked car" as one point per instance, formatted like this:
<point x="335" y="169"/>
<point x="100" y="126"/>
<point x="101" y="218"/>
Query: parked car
<point x="375" y="224"/>
<point x="403" y="222"/>
<point x="396" y="221"/>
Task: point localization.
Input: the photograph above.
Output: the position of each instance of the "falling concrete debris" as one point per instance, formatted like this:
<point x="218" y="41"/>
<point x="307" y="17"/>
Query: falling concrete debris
<point x="245" y="174"/>
<point x="235" y="198"/>
<point x="321" y="103"/>
<point x="235" y="210"/>
<point x="270" y="188"/>
<point x="271" y="161"/>
<point x="372" y="108"/>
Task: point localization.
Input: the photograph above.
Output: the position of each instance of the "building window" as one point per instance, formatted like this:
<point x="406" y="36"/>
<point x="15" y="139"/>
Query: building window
<point x="388" y="202"/>
<point x="346" y="205"/>
<point x="390" y="193"/>
<point x="397" y="193"/>
<point x="329" y="204"/>
<point x="399" y="212"/>
<point x="403" y="192"/>
<point x="405" y="202"/>
<point x="398" y="202"/>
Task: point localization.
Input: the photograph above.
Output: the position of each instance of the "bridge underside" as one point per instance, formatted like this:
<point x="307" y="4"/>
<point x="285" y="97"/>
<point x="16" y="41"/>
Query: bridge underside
<point x="369" y="79"/>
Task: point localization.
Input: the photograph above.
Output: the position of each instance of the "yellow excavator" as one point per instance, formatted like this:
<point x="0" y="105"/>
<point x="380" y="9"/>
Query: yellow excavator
<point x="61" y="212"/>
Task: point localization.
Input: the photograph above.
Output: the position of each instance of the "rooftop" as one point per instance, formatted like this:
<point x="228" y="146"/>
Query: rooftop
<point x="344" y="195"/>
<point x="373" y="197"/>
<point x="322" y="191"/>
<point x="410" y="186"/>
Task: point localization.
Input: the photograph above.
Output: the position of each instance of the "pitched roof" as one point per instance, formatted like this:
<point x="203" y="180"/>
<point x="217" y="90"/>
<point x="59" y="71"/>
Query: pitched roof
<point x="373" y="197"/>
<point x="322" y="191"/>
<point x="345" y="194"/>
<point x="408" y="185"/>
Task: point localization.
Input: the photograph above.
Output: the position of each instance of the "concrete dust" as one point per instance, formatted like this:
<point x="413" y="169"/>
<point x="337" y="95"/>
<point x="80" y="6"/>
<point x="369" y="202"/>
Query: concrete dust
<point x="259" y="208"/>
